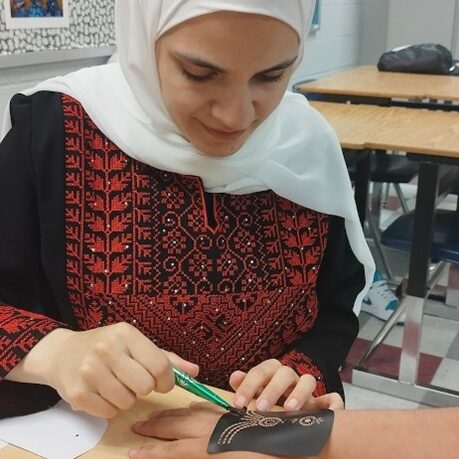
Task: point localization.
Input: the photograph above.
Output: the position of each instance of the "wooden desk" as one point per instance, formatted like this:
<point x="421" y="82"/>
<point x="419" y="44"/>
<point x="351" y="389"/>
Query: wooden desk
<point x="393" y="128"/>
<point x="368" y="81"/>
<point x="119" y="438"/>
<point x="432" y="138"/>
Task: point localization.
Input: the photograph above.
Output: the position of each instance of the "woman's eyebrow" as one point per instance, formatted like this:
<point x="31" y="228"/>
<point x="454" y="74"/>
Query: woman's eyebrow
<point x="202" y="63"/>
<point x="199" y="62"/>
<point x="281" y="66"/>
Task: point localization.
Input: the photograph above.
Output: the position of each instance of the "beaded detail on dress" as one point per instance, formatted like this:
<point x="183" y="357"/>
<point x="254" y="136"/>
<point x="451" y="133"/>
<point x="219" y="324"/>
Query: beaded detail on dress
<point x="140" y="248"/>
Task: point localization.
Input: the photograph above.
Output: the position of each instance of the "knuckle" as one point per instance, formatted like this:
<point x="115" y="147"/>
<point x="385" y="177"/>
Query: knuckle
<point x="77" y="397"/>
<point x="146" y="388"/>
<point x="87" y="371"/>
<point x="102" y="349"/>
<point x="163" y="366"/>
<point x="123" y="328"/>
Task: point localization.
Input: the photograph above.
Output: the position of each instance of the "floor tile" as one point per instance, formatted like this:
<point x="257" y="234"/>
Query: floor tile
<point x="447" y="375"/>
<point x="386" y="360"/>
<point x="438" y="334"/>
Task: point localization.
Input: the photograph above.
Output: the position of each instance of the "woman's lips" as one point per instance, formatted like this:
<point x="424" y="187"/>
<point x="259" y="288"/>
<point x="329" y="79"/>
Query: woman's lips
<point x="224" y="135"/>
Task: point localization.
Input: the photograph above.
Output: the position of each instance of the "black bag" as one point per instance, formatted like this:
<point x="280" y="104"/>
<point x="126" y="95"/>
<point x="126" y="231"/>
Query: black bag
<point x="424" y="58"/>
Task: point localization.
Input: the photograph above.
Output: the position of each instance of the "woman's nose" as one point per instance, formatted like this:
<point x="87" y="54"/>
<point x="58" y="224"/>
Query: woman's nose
<point x="235" y="111"/>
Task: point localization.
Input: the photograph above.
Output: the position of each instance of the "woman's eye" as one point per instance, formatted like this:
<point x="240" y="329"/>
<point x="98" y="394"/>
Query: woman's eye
<point x="198" y="78"/>
<point x="263" y="78"/>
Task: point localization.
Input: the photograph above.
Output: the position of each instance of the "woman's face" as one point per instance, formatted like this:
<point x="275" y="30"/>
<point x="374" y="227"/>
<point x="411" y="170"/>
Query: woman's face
<point x="223" y="74"/>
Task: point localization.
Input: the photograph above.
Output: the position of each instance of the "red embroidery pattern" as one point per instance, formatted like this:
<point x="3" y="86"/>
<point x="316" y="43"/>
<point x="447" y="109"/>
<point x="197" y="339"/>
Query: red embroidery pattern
<point x="140" y="249"/>
<point x="303" y="365"/>
<point x="20" y="332"/>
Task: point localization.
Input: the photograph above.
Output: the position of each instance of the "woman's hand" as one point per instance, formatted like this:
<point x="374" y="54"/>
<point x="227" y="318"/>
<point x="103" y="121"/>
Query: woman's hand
<point x="104" y="370"/>
<point x="270" y="381"/>
<point x="191" y="428"/>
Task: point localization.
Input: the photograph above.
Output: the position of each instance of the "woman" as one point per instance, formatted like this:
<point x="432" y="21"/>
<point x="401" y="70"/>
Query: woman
<point x="178" y="201"/>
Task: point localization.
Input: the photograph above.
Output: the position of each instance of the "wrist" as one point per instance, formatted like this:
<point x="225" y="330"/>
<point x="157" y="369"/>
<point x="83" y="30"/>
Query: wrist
<point x="38" y="365"/>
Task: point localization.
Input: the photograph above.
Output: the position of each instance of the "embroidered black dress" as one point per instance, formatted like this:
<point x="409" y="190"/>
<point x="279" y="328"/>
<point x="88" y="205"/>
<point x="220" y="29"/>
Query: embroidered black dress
<point x="90" y="236"/>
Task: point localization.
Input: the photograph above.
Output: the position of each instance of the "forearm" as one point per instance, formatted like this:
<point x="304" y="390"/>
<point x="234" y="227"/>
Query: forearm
<point x="408" y="434"/>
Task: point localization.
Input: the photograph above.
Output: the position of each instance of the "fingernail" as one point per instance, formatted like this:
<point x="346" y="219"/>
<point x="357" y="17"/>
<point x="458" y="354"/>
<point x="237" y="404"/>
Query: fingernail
<point x="240" y="401"/>
<point x="292" y="404"/>
<point x="262" y="404"/>
<point x="133" y="452"/>
<point x="139" y="425"/>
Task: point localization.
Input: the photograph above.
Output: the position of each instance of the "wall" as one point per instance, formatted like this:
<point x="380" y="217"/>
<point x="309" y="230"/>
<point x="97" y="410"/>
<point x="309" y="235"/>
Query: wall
<point x="390" y="23"/>
<point x="336" y="45"/>
<point x="373" y="30"/>
<point x="420" y="21"/>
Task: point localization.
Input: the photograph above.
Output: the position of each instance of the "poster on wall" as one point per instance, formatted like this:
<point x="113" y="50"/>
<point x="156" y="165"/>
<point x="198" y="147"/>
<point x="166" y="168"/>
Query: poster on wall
<point x="36" y="14"/>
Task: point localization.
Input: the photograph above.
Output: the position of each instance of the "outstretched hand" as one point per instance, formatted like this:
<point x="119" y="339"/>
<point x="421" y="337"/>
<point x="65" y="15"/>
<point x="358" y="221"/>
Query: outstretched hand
<point x="190" y="428"/>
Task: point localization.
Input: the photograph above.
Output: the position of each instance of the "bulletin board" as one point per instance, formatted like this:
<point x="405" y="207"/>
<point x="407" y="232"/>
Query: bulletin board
<point x="90" y="25"/>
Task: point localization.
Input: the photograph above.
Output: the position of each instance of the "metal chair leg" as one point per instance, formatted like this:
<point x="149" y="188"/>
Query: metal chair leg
<point x="386" y="195"/>
<point x="401" y="198"/>
<point x="374" y="230"/>
<point x="382" y="334"/>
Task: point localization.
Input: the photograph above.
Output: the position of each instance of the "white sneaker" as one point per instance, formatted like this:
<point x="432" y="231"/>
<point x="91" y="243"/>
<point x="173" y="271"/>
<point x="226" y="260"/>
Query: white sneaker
<point x="381" y="301"/>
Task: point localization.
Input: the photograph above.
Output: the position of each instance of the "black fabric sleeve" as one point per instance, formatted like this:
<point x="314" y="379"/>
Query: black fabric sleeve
<point x="28" y="306"/>
<point x="341" y="279"/>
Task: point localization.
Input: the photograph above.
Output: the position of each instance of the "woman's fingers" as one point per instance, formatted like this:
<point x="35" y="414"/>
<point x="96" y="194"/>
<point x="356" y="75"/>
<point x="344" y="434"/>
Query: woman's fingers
<point x="283" y="379"/>
<point x="256" y="378"/>
<point x="152" y="358"/>
<point x="301" y="393"/>
<point x="115" y="363"/>
<point x="93" y="404"/>
<point x="134" y="376"/>
<point x="236" y="379"/>
<point x="331" y="401"/>
<point x="188" y="367"/>
<point x="105" y="383"/>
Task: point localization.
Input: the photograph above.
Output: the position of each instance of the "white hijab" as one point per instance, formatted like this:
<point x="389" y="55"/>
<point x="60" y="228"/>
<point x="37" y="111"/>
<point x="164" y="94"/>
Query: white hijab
<point x="294" y="152"/>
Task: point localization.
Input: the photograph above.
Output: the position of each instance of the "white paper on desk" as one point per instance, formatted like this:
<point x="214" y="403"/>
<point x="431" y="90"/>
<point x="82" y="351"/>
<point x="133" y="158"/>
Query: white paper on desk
<point x="57" y="433"/>
<point x="2" y="444"/>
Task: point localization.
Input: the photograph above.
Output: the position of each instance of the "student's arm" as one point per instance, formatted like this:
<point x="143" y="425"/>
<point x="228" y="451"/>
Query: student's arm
<point x="406" y="434"/>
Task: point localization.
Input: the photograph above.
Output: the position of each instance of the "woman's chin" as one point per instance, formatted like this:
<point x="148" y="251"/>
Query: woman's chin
<point x="218" y="151"/>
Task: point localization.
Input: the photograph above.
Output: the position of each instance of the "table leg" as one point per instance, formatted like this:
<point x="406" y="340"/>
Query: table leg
<point x="419" y="269"/>
<point x="406" y="386"/>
